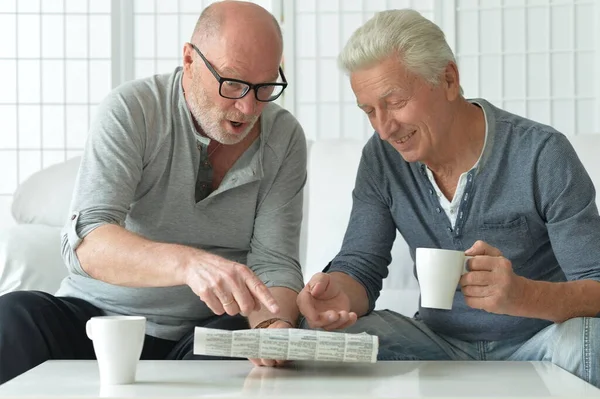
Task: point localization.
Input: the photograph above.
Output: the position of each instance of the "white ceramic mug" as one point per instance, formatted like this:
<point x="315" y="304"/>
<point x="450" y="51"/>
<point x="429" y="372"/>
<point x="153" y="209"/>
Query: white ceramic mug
<point x="118" y="343"/>
<point x="439" y="271"/>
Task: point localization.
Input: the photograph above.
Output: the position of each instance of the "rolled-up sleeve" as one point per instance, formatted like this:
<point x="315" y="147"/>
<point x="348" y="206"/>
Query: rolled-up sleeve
<point x="366" y="250"/>
<point x="274" y="248"/>
<point x="109" y="173"/>
<point x="567" y="200"/>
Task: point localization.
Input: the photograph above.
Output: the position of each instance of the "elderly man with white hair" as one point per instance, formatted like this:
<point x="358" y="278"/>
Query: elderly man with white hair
<point x="462" y="174"/>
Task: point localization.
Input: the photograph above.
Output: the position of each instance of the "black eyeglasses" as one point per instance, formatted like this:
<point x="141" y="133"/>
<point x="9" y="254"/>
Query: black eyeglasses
<point x="235" y="88"/>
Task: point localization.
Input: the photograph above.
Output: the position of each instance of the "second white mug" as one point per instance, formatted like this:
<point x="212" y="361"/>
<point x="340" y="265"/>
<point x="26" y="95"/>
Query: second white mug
<point x="118" y="343"/>
<point x="439" y="271"/>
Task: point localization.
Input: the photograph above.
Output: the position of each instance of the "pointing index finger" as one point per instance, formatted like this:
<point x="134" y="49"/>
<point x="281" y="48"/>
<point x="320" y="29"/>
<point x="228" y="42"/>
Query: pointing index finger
<point x="260" y="291"/>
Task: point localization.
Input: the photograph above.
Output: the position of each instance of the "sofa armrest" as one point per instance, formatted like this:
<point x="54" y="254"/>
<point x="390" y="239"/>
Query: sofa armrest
<point x="30" y="258"/>
<point x="45" y="197"/>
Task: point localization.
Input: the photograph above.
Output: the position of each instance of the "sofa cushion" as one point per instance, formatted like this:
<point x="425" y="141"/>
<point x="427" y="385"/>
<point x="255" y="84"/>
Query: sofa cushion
<point x="45" y="197"/>
<point x="30" y="258"/>
<point x="332" y="166"/>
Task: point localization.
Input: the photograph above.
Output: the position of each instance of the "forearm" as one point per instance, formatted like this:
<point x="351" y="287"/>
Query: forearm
<point x="288" y="310"/>
<point x="117" y="256"/>
<point x="579" y="298"/>
<point x="359" y="301"/>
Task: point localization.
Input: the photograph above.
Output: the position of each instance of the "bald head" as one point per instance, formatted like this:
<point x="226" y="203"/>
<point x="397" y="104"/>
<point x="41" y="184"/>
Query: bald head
<point x="234" y="40"/>
<point x="237" y="22"/>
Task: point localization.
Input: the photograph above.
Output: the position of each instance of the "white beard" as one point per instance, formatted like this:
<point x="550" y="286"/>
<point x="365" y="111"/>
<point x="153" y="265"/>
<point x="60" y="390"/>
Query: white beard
<point x="210" y="118"/>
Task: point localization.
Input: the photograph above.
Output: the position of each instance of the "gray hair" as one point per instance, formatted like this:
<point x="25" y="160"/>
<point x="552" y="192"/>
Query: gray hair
<point x="419" y="43"/>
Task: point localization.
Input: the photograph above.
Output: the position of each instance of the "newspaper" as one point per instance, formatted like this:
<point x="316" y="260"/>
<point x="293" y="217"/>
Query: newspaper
<point x="286" y="344"/>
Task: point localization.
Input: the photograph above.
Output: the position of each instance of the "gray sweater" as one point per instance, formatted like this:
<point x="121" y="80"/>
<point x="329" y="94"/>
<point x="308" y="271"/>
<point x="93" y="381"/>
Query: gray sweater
<point x="139" y="171"/>
<point x="530" y="196"/>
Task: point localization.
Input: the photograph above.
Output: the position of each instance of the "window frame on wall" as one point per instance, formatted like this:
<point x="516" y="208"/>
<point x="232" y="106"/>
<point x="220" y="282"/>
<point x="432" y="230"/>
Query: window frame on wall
<point x="538" y="73"/>
<point x="53" y="80"/>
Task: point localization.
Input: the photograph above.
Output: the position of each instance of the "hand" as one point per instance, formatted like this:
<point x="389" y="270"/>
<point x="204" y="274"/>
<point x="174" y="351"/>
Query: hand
<point x="491" y="284"/>
<point x="272" y="362"/>
<point x="228" y="287"/>
<point x="324" y="304"/>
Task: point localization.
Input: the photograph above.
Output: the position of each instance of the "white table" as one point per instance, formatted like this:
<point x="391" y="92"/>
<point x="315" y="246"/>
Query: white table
<point x="234" y="379"/>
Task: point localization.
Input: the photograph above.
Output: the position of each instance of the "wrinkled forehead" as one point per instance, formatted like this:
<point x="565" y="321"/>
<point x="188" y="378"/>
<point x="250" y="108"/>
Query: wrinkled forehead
<point x="381" y="80"/>
<point x="258" y="62"/>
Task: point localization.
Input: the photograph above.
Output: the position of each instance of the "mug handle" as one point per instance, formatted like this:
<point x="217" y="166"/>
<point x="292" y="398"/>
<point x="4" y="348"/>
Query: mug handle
<point x="88" y="329"/>
<point x="465" y="270"/>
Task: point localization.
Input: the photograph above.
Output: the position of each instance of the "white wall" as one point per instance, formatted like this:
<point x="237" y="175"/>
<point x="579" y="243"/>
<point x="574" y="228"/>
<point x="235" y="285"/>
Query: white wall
<point x="58" y="58"/>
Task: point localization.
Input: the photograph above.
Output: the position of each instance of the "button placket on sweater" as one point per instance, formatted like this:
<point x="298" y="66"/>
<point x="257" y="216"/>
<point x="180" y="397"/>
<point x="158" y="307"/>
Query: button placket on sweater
<point x="462" y="210"/>
<point x="464" y="205"/>
<point x="435" y="201"/>
<point x="205" y="173"/>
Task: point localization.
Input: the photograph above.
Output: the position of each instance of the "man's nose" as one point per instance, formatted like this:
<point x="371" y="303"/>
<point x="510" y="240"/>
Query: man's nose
<point x="385" y="127"/>
<point x="247" y="104"/>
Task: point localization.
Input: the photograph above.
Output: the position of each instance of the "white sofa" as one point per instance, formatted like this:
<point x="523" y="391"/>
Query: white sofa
<point x="30" y="250"/>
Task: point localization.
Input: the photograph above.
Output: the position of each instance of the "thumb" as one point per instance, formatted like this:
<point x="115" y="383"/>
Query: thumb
<point x="482" y="248"/>
<point x="318" y="284"/>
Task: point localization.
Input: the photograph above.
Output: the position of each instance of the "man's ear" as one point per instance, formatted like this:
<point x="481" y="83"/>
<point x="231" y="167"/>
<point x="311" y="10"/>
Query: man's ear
<point x="188" y="59"/>
<point x="451" y="81"/>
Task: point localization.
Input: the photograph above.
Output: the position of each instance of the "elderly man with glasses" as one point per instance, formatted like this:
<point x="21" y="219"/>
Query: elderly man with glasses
<point x="186" y="208"/>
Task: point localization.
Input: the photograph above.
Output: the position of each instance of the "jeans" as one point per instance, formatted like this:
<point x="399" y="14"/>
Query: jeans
<point x="573" y="345"/>
<point x="36" y="326"/>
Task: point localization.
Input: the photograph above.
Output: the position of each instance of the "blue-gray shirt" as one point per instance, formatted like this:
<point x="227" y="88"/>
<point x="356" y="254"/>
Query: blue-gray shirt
<point x="529" y="196"/>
